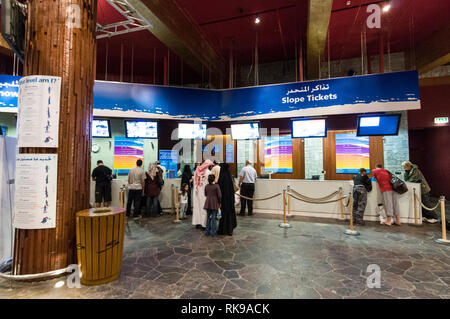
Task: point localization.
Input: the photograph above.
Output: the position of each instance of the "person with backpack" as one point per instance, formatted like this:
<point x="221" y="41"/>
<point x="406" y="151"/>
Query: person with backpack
<point x="390" y="198"/>
<point x="361" y="186"/>
<point x="414" y="175"/>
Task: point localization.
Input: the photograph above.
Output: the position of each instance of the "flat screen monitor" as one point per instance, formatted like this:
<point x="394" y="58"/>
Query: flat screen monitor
<point x="101" y="128"/>
<point x="245" y="131"/>
<point x="141" y="129"/>
<point x="305" y="128"/>
<point x="374" y="125"/>
<point x="194" y="131"/>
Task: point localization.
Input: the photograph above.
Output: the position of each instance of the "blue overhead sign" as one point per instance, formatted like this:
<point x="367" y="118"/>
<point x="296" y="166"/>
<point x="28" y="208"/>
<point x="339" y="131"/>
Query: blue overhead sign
<point x="357" y="94"/>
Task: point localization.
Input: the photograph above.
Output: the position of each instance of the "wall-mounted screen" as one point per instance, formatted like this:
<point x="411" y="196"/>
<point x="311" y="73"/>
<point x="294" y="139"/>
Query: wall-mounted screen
<point x="194" y="131"/>
<point x="245" y="131"/>
<point x="352" y="153"/>
<point x="141" y="129"/>
<point x="278" y="154"/>
<point x="101" y="128"/>
<point x="305" y="128"/>
<point x="373" y="125"/>
<point x="126" y="153"/>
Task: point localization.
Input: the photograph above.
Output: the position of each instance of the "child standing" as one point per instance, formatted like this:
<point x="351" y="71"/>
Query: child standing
<point x="183" y="200"/>
<point x="212" y="204"/>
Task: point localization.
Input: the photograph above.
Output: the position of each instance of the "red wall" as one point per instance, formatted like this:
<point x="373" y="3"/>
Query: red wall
<point x="430" y="149"/>
<point x="429" y="144"/>
<point x="435" y="102"/>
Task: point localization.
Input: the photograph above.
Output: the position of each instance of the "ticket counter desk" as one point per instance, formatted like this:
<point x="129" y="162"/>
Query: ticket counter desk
<point x="312" y="188"/>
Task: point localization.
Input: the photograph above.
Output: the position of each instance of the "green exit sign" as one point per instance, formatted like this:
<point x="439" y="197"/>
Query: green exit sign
<point x="440" y="120"/>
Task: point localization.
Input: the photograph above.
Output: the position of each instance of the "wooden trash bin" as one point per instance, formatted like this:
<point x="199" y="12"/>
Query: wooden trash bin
<point x="100" y="236"/>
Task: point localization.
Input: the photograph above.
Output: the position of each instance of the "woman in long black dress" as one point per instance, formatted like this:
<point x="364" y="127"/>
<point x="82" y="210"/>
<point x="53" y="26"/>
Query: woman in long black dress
<point x="226" y="183"/>
<point x="186" y="178"/>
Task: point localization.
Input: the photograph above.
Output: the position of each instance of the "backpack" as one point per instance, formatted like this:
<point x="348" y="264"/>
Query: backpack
<point x="160" y="176"/>
<point x="368" y="187"/>
<point x="398" y="185"/>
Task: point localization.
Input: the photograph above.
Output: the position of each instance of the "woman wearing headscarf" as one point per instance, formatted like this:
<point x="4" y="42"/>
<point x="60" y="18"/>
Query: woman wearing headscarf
<point x="186" y="178"/>
<point x="226" y="183"/>
<point x="200" y="181"/>
<point x="152" y="190"/>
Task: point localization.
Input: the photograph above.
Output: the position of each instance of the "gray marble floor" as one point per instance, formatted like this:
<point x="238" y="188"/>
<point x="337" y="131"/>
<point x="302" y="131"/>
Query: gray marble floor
<point x="311" y="260"/>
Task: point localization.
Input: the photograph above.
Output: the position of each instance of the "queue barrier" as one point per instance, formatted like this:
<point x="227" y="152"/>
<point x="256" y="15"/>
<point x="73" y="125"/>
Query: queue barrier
<point x="441" y="203"/>
<point x="177" y="205"/>
<point x="289" y="192"/>
<point x="325" y="200"/>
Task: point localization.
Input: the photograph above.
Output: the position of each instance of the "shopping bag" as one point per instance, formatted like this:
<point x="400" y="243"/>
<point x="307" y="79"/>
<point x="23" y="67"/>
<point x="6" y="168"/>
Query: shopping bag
<point x="381" y="212"/>
<point x="237" y="198"/>
<point x="398" y="185"/>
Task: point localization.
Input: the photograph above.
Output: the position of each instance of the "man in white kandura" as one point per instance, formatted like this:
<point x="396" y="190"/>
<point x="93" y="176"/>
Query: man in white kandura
<point x="198" y="197"/>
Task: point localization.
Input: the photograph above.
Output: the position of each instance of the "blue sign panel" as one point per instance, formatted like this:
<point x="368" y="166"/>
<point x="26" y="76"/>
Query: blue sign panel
<point x="169" y="159"/>
<point x="357" y="94"/>
<point x="9" y="91"/>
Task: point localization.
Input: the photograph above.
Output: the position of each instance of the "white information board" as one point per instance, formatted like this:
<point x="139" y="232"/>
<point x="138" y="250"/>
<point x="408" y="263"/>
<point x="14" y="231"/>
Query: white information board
<point x="35" y="189"/>
<point x="38" y="111"/>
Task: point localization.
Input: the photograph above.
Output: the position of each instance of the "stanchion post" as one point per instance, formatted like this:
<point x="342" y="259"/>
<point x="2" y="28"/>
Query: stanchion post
<point x="341" y="203"/>
<point x="351" y="231"/>
<point x="416" y="215"/>
<point x="173" y="198"/>
<point x="444" y="239"/>
<point x="415" y="207"/>
<point x="122" y="197"/>
<point x="289" y="199"/>
<point x="177" y="206"/>
<point x="285" y="224"/>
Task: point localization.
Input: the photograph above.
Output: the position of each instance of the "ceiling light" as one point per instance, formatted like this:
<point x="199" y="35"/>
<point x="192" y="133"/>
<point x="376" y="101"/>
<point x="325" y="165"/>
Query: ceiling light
<point x="257" y="20"/>
<point x="59" y="284"/>
<point x="386" y="8"/>
<point x="349" y="3"/>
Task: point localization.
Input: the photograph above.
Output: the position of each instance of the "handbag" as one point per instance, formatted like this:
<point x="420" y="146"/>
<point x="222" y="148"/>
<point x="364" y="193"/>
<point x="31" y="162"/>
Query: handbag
<point x="398" y="185"/>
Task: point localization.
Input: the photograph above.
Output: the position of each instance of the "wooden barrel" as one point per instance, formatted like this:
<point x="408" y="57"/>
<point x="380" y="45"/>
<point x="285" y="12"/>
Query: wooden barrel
<point x="100" y="236"/>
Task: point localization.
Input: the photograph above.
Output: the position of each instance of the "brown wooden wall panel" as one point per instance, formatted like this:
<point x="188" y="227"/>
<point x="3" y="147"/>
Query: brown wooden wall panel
<point x="329" y="154"/>
<point x="226" y="139"/>
<point x="298" y="160"/>
<point x="53" y="48"/>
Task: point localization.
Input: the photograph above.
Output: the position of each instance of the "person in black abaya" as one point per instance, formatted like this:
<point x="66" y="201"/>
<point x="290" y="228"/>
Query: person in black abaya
<point x="187" y="178"/>
<point x="226" y="183"/>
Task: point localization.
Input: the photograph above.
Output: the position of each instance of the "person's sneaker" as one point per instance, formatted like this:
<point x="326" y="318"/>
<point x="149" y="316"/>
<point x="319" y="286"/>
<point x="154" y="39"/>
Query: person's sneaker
<point x="432" y="221"/>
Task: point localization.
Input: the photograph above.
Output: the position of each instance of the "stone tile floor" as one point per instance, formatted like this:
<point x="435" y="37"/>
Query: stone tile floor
<point x="311" y="260"/>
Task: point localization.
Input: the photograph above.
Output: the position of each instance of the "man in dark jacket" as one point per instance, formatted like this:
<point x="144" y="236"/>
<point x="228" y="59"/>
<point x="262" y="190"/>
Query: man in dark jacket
<point x="414" y="175"/>
<point x="102" y="175"/>
<point x="362" y="185"/>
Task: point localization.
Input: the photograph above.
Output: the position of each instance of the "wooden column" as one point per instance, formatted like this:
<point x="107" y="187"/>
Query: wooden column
<point x="60" y="41"/>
